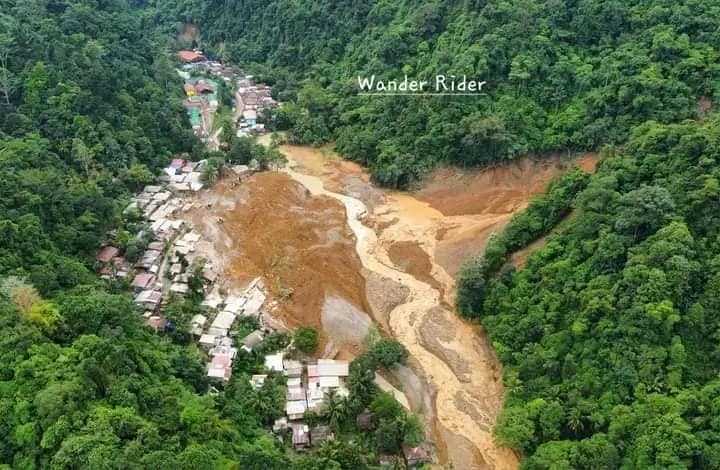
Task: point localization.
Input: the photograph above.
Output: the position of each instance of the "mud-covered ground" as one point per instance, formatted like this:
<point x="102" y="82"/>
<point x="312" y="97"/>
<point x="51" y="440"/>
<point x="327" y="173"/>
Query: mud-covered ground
<point x="339" y="254"/>
<point x="271" y="226"/>
<point x="418" y="241"/>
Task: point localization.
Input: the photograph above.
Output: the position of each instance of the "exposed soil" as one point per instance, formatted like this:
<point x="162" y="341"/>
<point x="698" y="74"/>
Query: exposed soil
<point x="496" y="190"/>
<point x="412" y="259"/>
<point x="705" y="105"/>
<point x="519" y="258"/>
<point x="338" y="175"/>
<point x="334" y="248"/>
<point x="419" y="241"/>
<point x="384" y="295"/>
<point x="300" y="244"/>
<point x="189" y="32"/>
<point x="344" y="323"/>
<point x="477" y="203"/>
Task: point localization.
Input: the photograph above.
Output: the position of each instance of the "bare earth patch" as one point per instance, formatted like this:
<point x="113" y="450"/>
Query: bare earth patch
<point x="271" y="226"/>
<point x="333" y="248"/>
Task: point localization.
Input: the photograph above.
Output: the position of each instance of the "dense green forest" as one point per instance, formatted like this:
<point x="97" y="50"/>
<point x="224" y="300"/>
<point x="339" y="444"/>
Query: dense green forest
<point x="90" y="110"/>
<point x="609" y="334"/>
<point x="563" y="75"/>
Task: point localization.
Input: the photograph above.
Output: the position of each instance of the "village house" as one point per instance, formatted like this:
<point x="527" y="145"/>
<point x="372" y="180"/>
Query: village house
<point x="257" y="381"/>
<point x="331" y="367"/>
<point x="295" y="394"/>
<point x="179" y="288"/>
<point x="149" y="258"/>
<point x="292" y="368"/>
<point x="252" y="340"/>
<point x="295" y="409"/>
<point x="223" y="322"/>
<point x="107" y="253"/>
<point x="416" y="457"/>
<point x="220" y="367"/>
<point x="149" y="299"/>
<point x="156" y="322"/>
<point x="255" y="298"/>
<point x="250" y="117"/>
<point x="207" y="340"/>
<point x="189" y="57"/>
<point x="320" y="434"/>
<point x="300" y="436"/>
<point x="143" y="281"/>
<point x="274" y="362"/>
<point x="197" y="323"/>
<point x="117" y="268"/>
<point x="204" y="87"/>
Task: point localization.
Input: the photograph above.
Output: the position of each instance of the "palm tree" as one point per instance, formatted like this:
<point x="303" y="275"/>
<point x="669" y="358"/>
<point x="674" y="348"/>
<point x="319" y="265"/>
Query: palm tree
<point x="575" y="420"/>
<point x="336" y="408"/>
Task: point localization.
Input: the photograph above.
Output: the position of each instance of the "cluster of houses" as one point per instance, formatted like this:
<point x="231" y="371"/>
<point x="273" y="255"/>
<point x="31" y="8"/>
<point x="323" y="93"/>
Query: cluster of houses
<point x="218" y="338"/>
<point x="251" y="100"/>
<point x="200" y="103"/>
<point x="184" y="176"/>
<point x="201" y="98"/>
<point x="196" y="60"/>
<point x="162" y="267"/>
<point x="308" y="386"/>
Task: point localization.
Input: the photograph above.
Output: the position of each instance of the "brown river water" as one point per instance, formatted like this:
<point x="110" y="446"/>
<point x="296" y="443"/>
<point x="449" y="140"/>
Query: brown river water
<point x="342" y="255"/>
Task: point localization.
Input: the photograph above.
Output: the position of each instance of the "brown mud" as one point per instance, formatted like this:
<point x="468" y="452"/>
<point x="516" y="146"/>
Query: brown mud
<point x="300" y="244"/>
<point x="335" y="251"/>
<point x="418" y="240"/>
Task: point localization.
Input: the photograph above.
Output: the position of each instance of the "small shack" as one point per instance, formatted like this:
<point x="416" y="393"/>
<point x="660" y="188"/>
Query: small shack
<point x="190" y="57"/>
<point x="301" y="436"/>
<point x="320" y="434"/>
<point x="107" y="253"/>
<point x="252" y="340"/>
<point x="416" y="456"/>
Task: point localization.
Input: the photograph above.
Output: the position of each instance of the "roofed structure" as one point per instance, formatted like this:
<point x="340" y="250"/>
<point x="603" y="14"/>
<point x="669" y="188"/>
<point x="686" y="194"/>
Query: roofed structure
<point x="274" y="362"/>
<point x="331" y="367"/>
<point x="416" y="456"/>
<point x="301" y="436"/>
<point x="252" y="340"/>
<point x="190" y="56"/>
<point x="107" y="253"/>
<point x="320" y="434"/>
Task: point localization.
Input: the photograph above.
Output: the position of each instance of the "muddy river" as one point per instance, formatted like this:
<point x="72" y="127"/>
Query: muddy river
<point x="344" y="256"/>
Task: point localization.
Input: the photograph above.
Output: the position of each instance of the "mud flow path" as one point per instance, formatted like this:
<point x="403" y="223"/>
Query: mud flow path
<point x="271" y="226"/>
<point x="417" y="241"/>
<point x="338" y="252"/>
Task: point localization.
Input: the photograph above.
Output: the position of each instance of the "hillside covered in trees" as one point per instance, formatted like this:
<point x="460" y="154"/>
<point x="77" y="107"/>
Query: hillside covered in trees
<point x="562" y="75"/>
<point x="90" y="110"/>
<point x="609" y="333"/>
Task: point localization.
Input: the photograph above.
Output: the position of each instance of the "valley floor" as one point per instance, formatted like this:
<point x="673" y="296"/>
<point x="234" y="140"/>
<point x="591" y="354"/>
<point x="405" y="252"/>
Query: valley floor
<point x="336" y="251"/>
